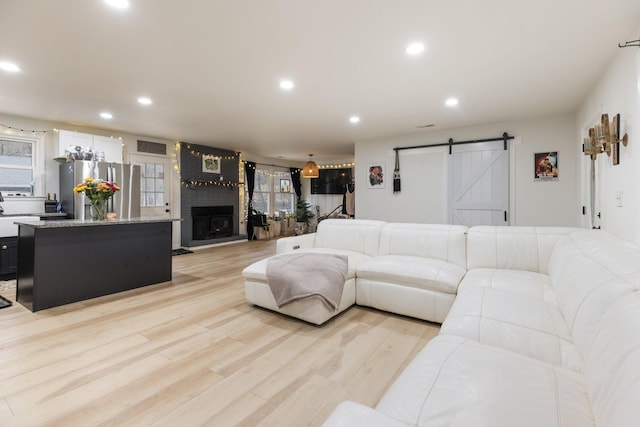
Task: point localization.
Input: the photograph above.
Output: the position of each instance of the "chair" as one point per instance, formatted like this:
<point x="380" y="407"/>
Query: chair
<point x="260" y="221"/>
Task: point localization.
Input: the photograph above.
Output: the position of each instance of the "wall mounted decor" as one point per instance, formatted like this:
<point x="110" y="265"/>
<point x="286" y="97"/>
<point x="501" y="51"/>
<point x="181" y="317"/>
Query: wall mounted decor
<point x="375" y="178"/>
<point x="604" y="137"/>
<point x="546" y="166"/>
<point x="210" y="163"/>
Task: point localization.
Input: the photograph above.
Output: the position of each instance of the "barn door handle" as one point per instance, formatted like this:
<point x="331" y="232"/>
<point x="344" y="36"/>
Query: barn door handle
<point x="505" y="216"/>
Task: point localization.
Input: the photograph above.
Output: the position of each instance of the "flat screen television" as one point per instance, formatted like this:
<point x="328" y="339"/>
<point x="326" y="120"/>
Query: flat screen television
<point x="331" y="181"/>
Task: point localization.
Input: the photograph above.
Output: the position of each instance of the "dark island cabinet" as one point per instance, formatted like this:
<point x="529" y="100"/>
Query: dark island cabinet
<point x="61" y="262"/>
<point x="8" y="257"/>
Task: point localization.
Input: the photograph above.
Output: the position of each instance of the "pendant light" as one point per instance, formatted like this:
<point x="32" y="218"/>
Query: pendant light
<point x="310" y="169"/>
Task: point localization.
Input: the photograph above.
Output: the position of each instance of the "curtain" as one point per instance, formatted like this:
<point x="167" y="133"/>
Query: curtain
<point x="250" y="179"/>
<point x="295" y="180"/>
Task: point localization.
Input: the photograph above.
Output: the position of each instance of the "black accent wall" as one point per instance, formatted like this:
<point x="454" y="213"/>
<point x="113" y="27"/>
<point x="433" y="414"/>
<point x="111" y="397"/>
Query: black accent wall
<point x="207" y="194"/>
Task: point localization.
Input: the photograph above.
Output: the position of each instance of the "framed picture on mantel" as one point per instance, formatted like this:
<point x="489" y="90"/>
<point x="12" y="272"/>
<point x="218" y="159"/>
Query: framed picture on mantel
<point x="210" y="163"/>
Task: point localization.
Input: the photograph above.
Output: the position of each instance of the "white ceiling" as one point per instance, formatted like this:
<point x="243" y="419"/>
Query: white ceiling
<point x="212" y="67"/>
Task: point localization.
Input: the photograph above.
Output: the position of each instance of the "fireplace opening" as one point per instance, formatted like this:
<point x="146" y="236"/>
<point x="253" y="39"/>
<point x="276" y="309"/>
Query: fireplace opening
<point x="212" y="222"/>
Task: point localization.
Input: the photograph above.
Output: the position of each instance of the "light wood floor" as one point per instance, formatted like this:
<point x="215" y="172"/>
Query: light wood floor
<point x="191" y="352"/>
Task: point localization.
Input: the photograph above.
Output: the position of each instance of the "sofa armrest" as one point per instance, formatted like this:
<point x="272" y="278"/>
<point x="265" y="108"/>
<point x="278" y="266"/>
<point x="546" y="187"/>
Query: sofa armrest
<point x="351" y="414"/>
<point x="288" y="244"/>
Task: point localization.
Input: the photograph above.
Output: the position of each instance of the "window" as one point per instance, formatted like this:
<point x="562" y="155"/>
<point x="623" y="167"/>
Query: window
<point x="284" y="192"/>
<point x="262" y="191"/>
<point x="151" y="184"/>
<point x="16" y="164"/>
<point x="273" y="191"/>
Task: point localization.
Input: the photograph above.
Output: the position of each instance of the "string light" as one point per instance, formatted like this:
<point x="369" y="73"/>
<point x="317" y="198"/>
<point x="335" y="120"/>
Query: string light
<point x="191" y="183"/>
<point x="279" y="174"/>
<point x="331" y="166"/>
<point x="176" y="157"/>
<point x="337" y="166"/>
<point x="32" y="131"/>
<point x="199" y="153"/>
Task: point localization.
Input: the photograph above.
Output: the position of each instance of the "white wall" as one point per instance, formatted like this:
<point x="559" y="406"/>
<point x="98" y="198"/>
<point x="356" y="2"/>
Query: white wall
<point x="618" y="91"/>
<point x="424" y="173"/>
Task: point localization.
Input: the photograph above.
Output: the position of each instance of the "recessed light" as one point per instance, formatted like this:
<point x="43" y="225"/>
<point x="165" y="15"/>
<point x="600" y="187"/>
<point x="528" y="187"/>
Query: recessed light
<point x="286" y="84"/>
<point x="9" y="66"/>
<point x="354" y="119"/>
<point x="107" y="116"/>
<point x="415" y="49"/>
<point x="451" y="102"/>
<point x="120" y="4"/>
<point x="145" y="100"/>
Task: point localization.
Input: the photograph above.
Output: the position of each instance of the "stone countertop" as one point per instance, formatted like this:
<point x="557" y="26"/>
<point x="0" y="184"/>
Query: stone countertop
<point x="88" y="222"/>
<point x="38" y="214"/>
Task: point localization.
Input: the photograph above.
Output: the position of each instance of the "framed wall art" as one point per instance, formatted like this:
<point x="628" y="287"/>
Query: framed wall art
<point x="285" y="186"/>
<point x="210" y="163"/>
<point x="546" y="166"/>
<point x="375" y="178"/>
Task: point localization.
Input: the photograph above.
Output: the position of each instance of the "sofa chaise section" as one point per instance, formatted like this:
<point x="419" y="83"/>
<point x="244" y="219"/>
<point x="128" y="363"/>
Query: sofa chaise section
<point x="356" y="239"/>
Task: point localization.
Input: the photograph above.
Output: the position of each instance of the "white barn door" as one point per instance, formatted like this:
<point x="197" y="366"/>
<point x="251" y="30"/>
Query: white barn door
<point x="479" y="184"/>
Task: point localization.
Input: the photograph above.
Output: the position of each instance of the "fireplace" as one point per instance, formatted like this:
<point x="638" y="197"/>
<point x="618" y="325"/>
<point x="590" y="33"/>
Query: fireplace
<point x="212" y="222"/>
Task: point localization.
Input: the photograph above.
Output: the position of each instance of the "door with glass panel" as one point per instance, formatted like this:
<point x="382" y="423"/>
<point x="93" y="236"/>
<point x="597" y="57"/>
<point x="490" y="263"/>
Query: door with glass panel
<point x="155" y="185"/>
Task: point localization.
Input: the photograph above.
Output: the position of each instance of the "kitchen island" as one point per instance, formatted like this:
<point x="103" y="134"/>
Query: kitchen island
<point x="60" y="262"/>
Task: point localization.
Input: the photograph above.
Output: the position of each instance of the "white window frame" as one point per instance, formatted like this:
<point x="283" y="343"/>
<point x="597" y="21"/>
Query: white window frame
<point x="37" y="169"/>
<point x="275" y="174"/>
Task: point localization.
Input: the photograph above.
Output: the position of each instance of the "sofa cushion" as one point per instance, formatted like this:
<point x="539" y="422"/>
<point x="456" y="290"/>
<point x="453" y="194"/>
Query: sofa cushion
<point x="514" y="322"/>
<point x="598" y="270"/>
<point x="454" y="381"/>
<point x="411" y="301"/>
<point x="512" y="247"/>
<point x="417" y="272"/>
<point x="437" y="241"/>
<point x="354" y="235"/>
<point x="611" y="370"/>
<point x="534" y="285"/>
<point x="351" y="414"/>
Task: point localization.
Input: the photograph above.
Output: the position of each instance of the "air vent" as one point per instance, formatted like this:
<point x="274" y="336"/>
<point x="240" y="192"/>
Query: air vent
<point x="152" y="147"/>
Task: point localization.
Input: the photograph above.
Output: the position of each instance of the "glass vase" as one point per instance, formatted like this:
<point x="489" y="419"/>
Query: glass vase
<point x="98" y="209"/>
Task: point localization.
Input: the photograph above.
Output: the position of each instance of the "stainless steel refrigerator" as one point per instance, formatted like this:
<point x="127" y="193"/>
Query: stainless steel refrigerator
<point x="125" y="203"/>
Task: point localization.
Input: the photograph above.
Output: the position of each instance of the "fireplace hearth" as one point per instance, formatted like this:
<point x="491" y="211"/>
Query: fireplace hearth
<point x="212" y="222"/>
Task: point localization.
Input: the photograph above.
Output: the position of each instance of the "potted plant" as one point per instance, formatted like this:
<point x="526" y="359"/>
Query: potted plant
<point x="303" y="215"/>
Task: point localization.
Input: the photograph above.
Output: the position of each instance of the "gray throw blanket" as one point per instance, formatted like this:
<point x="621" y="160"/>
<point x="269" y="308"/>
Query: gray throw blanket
<point x="294" y="276"/>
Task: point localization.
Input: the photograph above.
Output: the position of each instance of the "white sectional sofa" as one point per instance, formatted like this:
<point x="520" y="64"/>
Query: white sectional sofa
<point x="544" y="331"/>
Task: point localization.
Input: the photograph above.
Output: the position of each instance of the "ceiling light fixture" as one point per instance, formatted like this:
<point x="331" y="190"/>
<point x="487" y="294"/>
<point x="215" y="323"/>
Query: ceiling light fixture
<point x="9" y="66"/>
<point x="310" y="169"/>
<point x="286" y="84"/>
<point x="120" y="4"/>
<point x="145" y="100"/>
<point x="451" y="102"/>
<point x="106" y="115"/>
<point x="415" y="49"/>
<point x="354" y="119"/>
